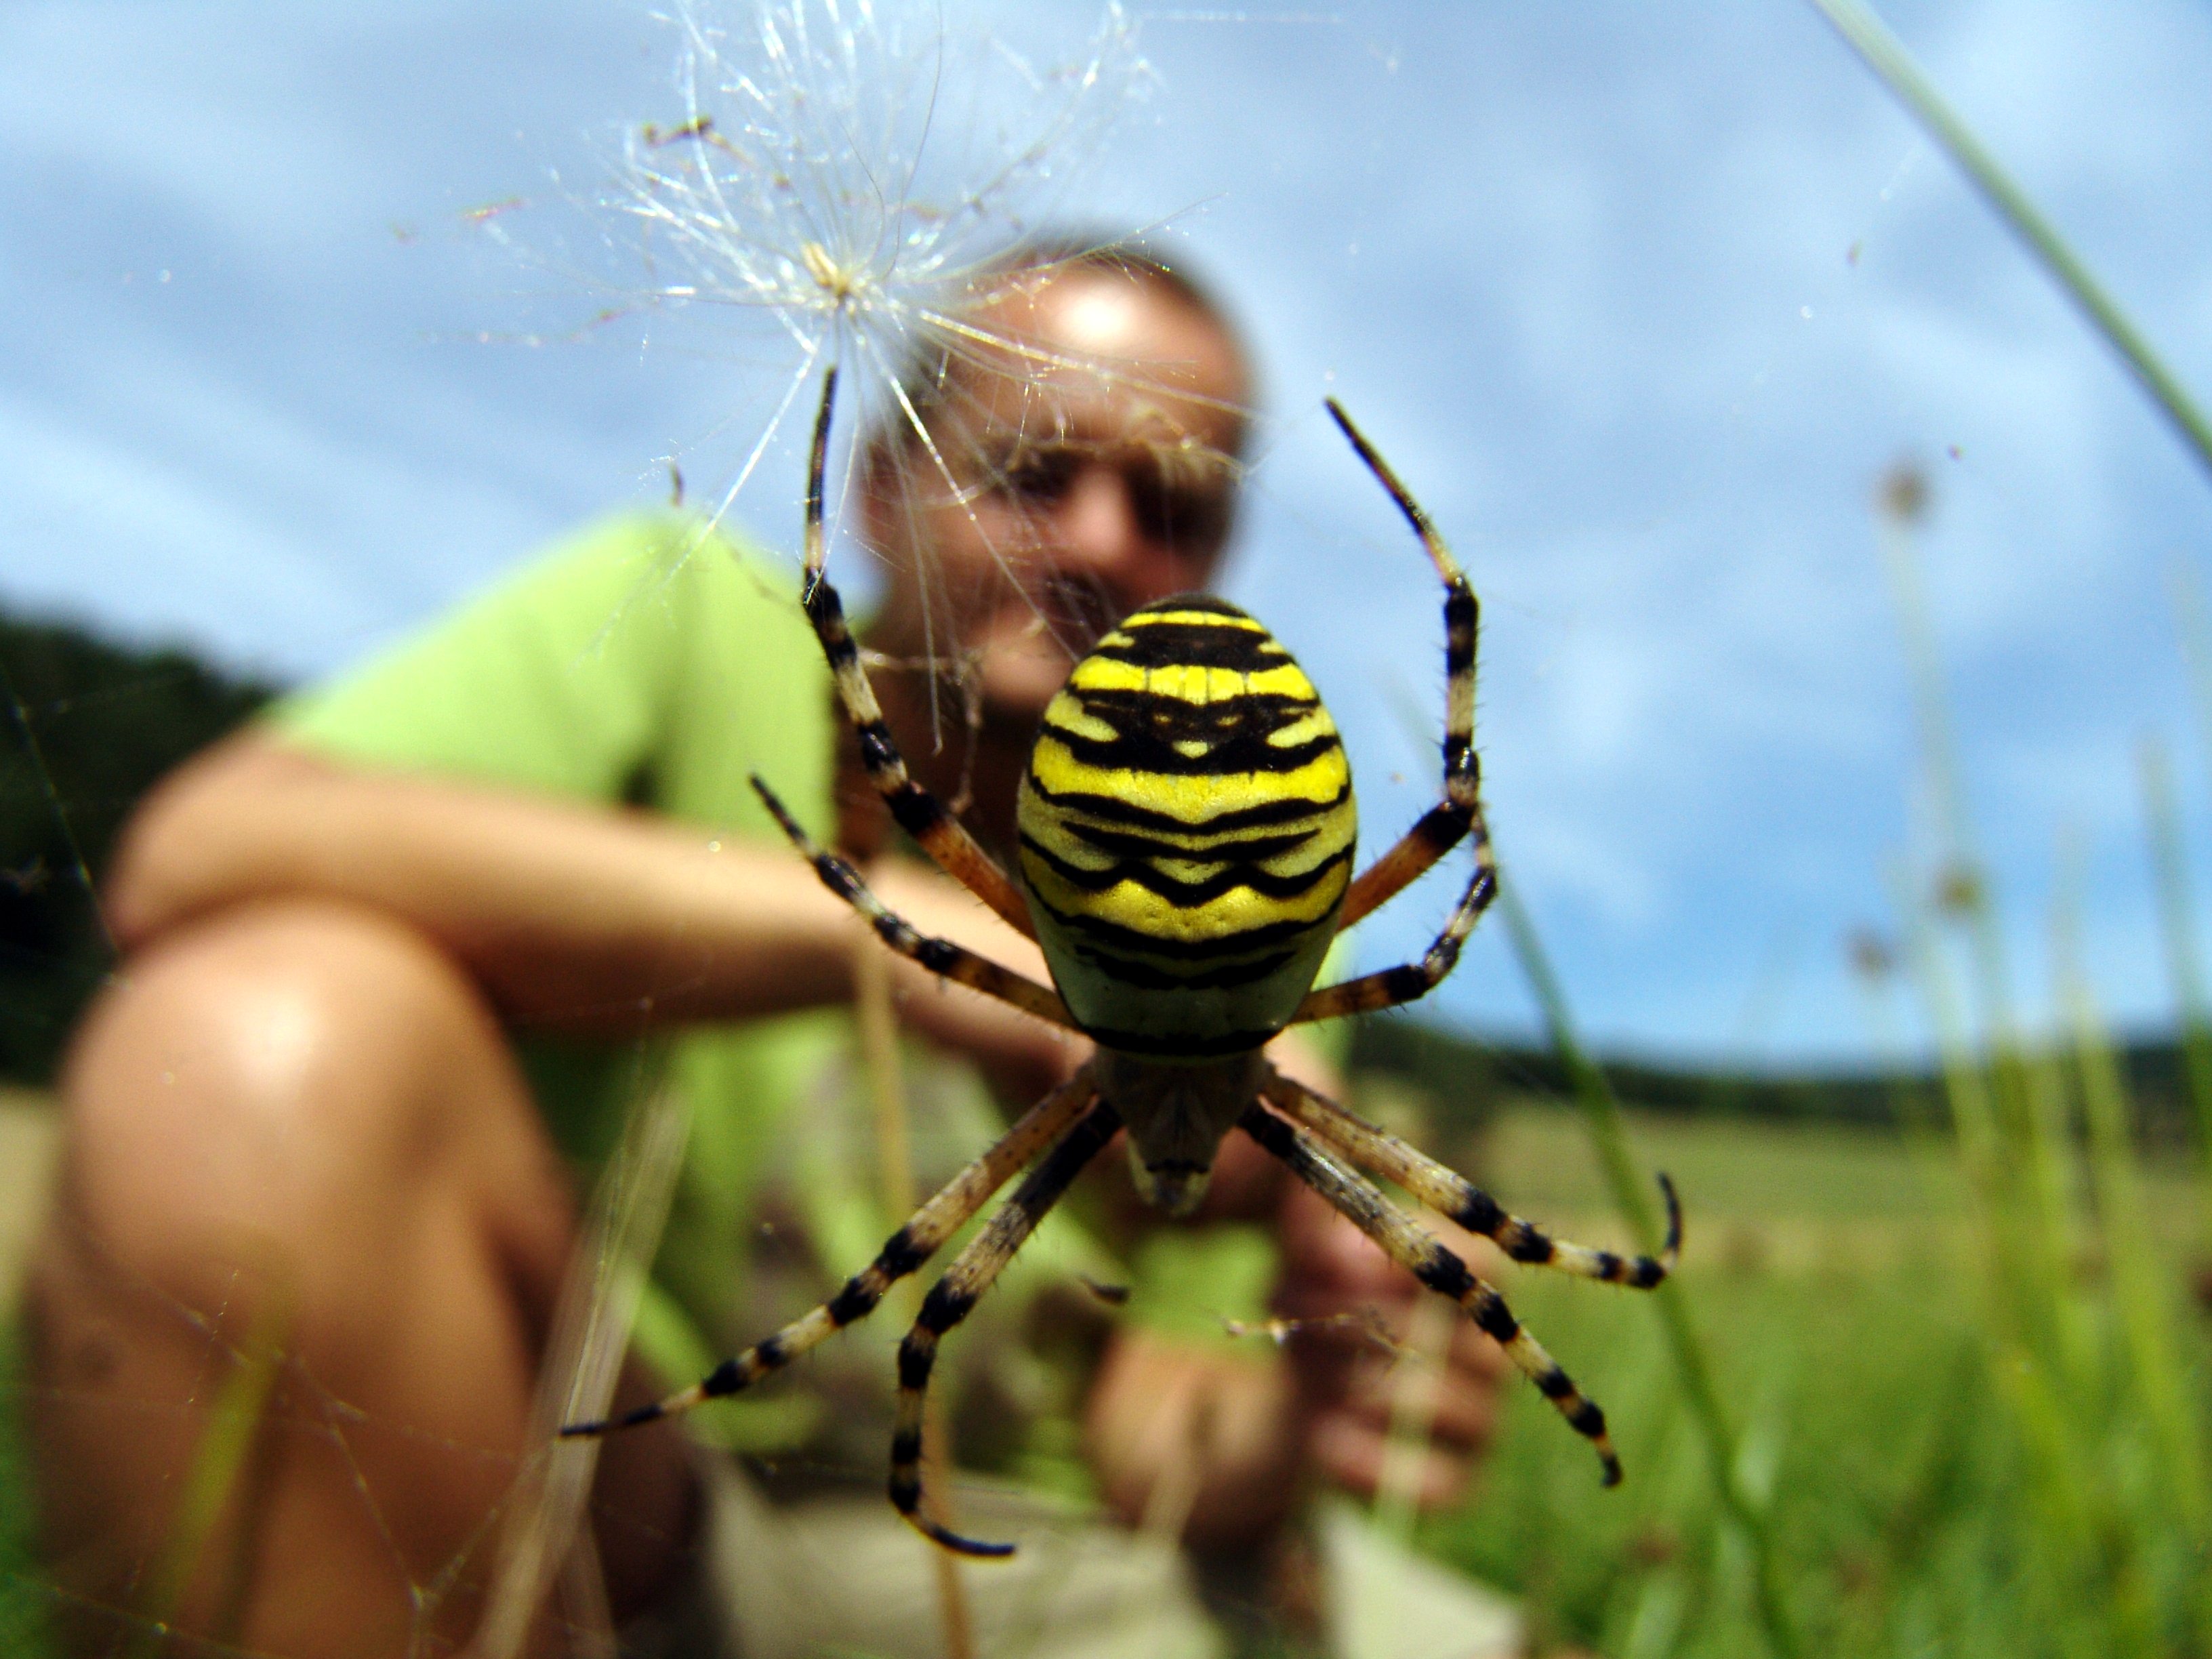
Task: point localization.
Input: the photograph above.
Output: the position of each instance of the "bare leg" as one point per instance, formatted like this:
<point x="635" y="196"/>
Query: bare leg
<point x="304" y="1111"/>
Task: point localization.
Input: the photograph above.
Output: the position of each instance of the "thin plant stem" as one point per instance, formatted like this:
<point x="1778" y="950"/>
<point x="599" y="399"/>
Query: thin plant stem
<point x="2177" y="913"/>
<point x="2193" y="625"/>
<point x="222" y="1484"/>
<point x="879" y="1057"/>
<point x="544" y="1545"/>
<point x="1962" y="883"/>
<point x="2140" y="1277"/>
<point x="1685" y="1348"/>
<point x="2049" y="1327"/>
<point x="1876" y="970"/>
<point x="1885" y="55"/>
<point x="2010" y="1114"/>
<point x="1413" y="1395"/>
<point x="1965" y="1086"/>
<point x="2176" y="919"/>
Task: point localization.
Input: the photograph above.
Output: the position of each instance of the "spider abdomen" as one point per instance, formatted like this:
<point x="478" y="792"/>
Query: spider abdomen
<point x="1187" y="828"/>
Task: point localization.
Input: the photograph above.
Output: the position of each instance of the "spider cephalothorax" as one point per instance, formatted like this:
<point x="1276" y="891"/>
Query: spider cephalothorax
<point x="1186" y="831"/>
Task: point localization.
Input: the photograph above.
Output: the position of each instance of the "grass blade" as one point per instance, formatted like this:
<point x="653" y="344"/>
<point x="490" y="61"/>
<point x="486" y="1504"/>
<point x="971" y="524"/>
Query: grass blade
<point x="2178" y="924"/>
<point x="546" y="1515"/>
<point x="879" y="1056"/>
<point x="222" y="1486"/>
<point x="1885" y="54"/>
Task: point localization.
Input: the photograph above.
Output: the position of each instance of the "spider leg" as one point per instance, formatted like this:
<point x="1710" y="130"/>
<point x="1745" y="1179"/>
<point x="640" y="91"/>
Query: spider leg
<point x="1391" y="985"/>
<point x="941" y="956"/>
<point x="953" y="1297"/>
<point x="905" y="1252"/>
<point x="913" y="807"/>
<point x="1406" y="1242"/>
<point x="1445" y="825"/>
<point x="1458" y="1198"/>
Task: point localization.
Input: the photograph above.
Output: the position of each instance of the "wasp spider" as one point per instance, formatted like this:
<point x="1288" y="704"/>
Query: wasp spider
<point x="1186" y="832"/>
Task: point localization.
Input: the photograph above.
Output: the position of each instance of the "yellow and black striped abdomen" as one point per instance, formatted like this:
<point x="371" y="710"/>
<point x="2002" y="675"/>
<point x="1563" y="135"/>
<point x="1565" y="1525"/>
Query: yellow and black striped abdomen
<point x="1186" y="827"/>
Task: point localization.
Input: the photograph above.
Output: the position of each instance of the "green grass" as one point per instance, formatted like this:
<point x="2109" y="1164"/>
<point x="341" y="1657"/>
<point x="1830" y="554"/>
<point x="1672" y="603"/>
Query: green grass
<point x="1833" y="1282"/>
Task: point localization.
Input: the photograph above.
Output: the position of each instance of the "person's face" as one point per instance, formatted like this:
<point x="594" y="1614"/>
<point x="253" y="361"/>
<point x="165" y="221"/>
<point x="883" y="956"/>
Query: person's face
<point x="1092" y="472"/>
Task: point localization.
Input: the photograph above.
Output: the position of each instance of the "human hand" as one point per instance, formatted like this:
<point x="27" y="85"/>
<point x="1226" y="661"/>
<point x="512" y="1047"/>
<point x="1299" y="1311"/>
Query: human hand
<point x="1346" y="1383"/>
<point x="1212" y="1444"/>
<point x="1192" y="1440"/>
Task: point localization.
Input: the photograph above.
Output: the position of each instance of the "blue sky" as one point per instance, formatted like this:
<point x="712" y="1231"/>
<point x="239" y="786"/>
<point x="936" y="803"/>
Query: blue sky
<point x="1642" y="301"/>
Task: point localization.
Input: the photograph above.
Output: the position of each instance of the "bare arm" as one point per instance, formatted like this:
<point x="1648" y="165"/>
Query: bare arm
<point x="573" y="917"/>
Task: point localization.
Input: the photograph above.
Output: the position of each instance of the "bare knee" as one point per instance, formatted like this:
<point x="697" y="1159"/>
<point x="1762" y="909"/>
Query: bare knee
<point x="294" y="1127"/>
<point x="288" y="1072"/>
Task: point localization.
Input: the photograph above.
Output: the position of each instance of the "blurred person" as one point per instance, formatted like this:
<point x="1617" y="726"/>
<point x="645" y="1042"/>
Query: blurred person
<point x="389" y="956"/>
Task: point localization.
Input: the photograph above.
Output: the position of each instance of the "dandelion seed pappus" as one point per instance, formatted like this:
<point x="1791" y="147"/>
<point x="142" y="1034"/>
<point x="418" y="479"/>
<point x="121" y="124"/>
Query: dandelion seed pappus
<point x="840" y="181"/>
<point x="1186" y="832"/>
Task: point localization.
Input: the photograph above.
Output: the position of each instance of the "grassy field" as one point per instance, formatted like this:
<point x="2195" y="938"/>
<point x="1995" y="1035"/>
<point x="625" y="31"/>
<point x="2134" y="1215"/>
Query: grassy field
<point x="1833" y="1273"/>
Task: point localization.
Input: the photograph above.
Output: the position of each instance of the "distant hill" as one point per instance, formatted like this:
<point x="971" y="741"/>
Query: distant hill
<point x="1449" y="1066"/>
<point x="89" y="726"/>
<point x="1463" y="1077"/>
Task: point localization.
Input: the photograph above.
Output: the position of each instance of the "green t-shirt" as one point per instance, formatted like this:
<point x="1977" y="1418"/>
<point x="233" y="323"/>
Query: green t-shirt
<point x="649" y="663"/>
